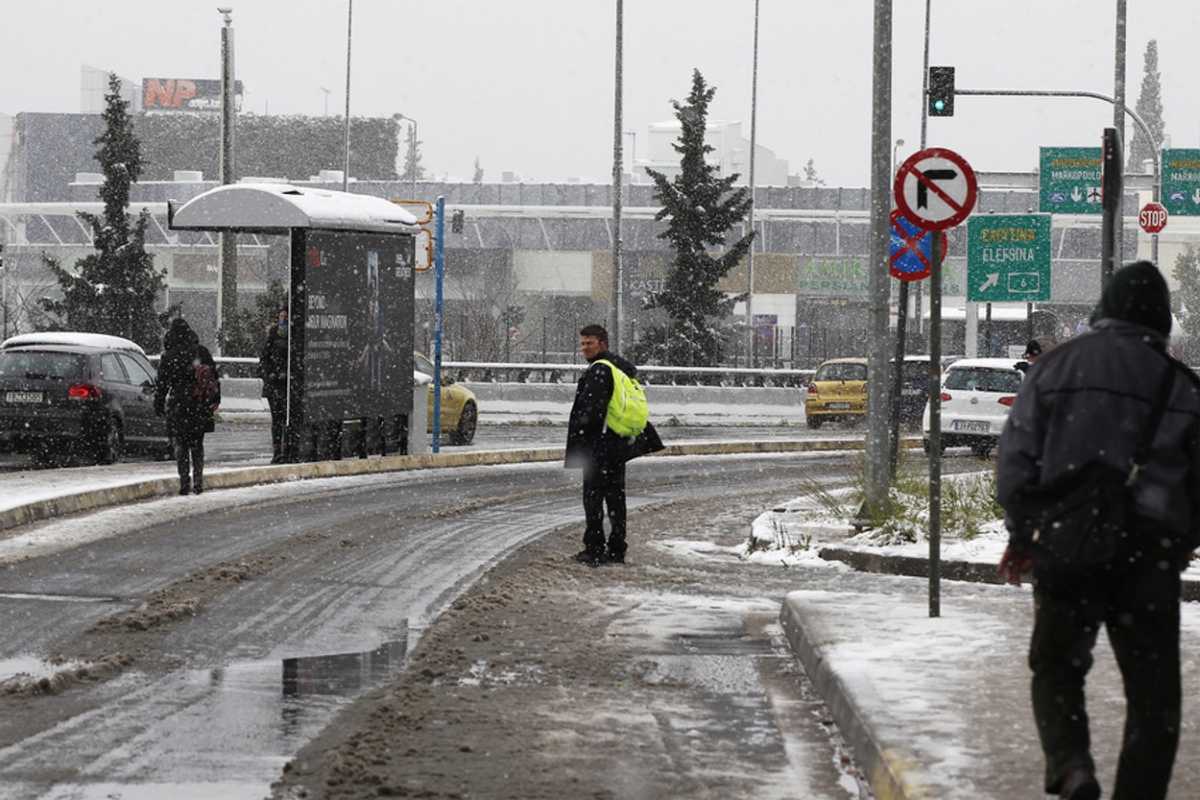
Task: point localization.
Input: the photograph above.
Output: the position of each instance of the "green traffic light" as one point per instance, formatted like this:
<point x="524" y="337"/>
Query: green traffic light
<point x="939" y="105"/>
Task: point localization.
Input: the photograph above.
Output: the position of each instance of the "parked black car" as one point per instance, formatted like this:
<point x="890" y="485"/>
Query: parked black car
<point x="66" y="395"/>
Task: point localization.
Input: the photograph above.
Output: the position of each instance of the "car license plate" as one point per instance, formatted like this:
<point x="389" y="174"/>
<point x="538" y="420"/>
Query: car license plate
<point x="910" y="392"/>
<point x="971" y="426"/>
<point x="22" y="397"/>
<point x="837" y="406"/>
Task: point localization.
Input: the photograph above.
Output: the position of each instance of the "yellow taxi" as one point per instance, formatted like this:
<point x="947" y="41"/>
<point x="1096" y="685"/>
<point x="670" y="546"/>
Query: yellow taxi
<point x="838" y="391"/>
<point x="460" y="409"/>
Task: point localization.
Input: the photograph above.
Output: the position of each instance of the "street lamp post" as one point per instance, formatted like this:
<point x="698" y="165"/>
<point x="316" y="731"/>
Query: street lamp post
<point x="326" y="91"/>
<point x="412" y="151"/>
<point x="227" y="265"/>
<point x="349" y="30"/>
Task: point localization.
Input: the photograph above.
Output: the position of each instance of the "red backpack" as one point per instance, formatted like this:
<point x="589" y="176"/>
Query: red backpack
<point x="206" y="389"/>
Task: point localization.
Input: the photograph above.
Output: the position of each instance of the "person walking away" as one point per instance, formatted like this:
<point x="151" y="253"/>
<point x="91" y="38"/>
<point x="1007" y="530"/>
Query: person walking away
<point x="601" y="452"/>
<point x="273" y="370"/>
<point x="188" y="392"/>
<point x="1108" y="399"/>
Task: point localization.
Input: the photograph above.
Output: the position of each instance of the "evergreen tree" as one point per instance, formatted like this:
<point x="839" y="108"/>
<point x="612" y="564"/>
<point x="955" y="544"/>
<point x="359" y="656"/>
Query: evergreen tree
<point x="1187" y="273"/>
<point x="1149" y="107"/>
<point x="243" y="336"/>
<point x="700" y="208"/>
<point x="412" y="157"/>
<point x="810" y="174"/>
<point x="113" y="290"/>
<point x="478" y="172"/>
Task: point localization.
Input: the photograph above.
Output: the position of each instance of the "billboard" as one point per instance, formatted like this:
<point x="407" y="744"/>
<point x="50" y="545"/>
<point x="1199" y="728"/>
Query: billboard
<point x="186" y="94"/>
<point x="357" y="321"/>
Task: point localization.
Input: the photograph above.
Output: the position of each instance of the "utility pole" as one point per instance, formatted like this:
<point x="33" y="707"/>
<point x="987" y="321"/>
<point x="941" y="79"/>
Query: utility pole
<point x="877" y="478"/>
<point x="750" y="254"/>
<point x="227" y="265"/>
<point x="1119" y="124"/>
<point x="614" y="330"/>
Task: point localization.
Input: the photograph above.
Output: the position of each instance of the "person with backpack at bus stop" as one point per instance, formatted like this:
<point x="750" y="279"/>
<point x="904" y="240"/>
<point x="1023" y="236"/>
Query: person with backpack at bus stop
<point x="188" y="393"/>
<point x="609" y="426"/>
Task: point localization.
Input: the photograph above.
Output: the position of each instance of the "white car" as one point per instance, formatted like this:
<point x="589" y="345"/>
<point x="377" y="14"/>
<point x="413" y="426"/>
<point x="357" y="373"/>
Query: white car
<point x="977" y="394"/>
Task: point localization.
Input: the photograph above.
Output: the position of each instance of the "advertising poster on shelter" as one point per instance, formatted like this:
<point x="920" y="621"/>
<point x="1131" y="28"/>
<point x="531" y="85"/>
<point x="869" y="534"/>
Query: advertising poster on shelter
<point x="358" y="324"/>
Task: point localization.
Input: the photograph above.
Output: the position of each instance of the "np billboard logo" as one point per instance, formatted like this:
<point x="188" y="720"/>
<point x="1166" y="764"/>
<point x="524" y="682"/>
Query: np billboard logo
<point x="185" y="94"/>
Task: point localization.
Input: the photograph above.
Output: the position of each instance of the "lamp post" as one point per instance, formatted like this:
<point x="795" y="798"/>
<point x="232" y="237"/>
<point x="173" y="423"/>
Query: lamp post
<point x="227" y="265"/>
<point x="349" y="30"/>
<point x="412" y="151"/>
<point x="897" y="146"/>
<point x="326" y="91"/>
<point x="750" y="210"/>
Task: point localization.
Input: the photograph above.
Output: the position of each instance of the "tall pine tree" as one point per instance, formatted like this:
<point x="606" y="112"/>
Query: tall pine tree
<point x="113" y="290"/>
<point x="700" y="208"/>
<point x="1149" y="107"/>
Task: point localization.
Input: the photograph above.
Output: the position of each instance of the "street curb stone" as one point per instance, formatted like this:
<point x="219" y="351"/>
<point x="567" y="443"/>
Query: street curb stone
<point x="885" y="768"/>
<point x="135" y="491"/>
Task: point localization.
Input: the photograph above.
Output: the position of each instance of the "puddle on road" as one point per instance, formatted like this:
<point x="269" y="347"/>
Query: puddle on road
<point x="242" y="722"/>
<point x="33" y="667"/>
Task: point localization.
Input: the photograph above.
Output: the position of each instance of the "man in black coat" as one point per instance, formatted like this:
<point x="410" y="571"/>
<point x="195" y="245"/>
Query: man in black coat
<point x="188" y="416"/>
<point x="273" y="370"/>
<point x="1084" y="402"/>
<point x="600" y="452"/>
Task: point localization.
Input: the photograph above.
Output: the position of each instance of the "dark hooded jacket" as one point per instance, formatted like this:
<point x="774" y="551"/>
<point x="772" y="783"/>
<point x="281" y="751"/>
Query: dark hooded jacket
<point x="186" y="418"/>
<point x="588" y="439"/>
<point x="1087" y="400"/>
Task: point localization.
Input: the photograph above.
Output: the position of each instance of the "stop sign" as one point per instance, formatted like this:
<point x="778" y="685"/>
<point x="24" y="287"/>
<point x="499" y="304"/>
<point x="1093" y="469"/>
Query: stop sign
<point x="1153" y="217"/>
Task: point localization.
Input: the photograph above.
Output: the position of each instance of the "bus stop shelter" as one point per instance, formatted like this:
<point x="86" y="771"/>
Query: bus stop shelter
<point x="350" y="306"/>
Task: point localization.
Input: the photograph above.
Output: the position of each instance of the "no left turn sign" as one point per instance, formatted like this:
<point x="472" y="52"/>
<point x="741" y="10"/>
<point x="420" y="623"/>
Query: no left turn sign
<point x="935" y="189"/>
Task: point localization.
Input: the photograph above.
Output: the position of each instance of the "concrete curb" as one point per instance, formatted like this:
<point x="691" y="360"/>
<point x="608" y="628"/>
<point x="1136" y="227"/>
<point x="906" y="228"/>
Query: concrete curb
<point x="884" y="768"/>
<point x="917" y="567"/>
<point x="94" y="499"/>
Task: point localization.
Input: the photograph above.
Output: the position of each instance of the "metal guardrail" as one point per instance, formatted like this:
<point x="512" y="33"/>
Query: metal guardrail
<point x="520" y="372"/>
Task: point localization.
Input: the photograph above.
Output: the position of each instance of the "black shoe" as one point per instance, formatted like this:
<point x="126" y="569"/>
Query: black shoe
<point x="615" y="558"/>
<point x="185" y="489"/>
<point x="199" y="489"/>
<point x="277" y="459"/>
<point x="592" y="558"/>
<point x="1080" y="784"/>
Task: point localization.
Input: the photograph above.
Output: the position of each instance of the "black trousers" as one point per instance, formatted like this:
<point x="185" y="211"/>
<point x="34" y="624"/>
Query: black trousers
<point x="189" y="457"/>
<point x="278" y="404"/>
<point x="1139" y="607"/>
<point x="604" y="487"/>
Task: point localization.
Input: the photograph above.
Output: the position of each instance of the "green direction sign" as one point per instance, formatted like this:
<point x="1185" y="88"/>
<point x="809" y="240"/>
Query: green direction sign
<point x="1069" y="180"/>
<point x="1181" y="182"/>
<point x="1008" y="258"/>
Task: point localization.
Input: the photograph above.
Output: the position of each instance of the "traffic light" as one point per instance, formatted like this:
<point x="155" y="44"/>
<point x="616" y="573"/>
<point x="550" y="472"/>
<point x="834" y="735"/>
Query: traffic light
<point x="941" y="91"/>
<point x="457" y="220"/>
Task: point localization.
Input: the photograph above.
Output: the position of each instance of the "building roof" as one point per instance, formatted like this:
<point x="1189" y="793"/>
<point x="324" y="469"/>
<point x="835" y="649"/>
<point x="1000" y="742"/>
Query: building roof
<point x="278" y="207"/>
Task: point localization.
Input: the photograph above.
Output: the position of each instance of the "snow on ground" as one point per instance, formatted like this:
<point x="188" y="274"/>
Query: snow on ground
<point x="795" y="530"/>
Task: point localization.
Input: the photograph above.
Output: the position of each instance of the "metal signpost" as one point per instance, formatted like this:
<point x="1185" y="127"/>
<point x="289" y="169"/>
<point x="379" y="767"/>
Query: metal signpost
<point x="1181" y="182"/>
<point x="1069" y="180"/>
<point x="935" y="189"/>
<point x="1008" y="258"/>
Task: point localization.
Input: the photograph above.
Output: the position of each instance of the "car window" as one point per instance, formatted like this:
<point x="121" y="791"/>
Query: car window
<point x="111" y="369"/>
<point x="841" y="372"/>
<point x="137" y="373"/>
<point x="983" y="379"/>
<point x="41" y="366"/>
<point x="423" y="364"/>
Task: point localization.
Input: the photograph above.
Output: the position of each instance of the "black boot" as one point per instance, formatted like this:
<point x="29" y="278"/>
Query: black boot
<point x="185" y="486"/>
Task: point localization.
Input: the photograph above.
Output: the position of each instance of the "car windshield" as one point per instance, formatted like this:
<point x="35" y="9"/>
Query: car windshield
<point x="983" y="379"/>
<point x="842" y="372"/>
<point x="41" y="366"/>
<point x="915" y="374"/>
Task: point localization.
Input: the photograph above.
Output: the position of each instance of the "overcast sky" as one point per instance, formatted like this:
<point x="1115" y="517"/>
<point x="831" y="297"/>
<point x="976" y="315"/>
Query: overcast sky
<point x="527" y="85"/>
